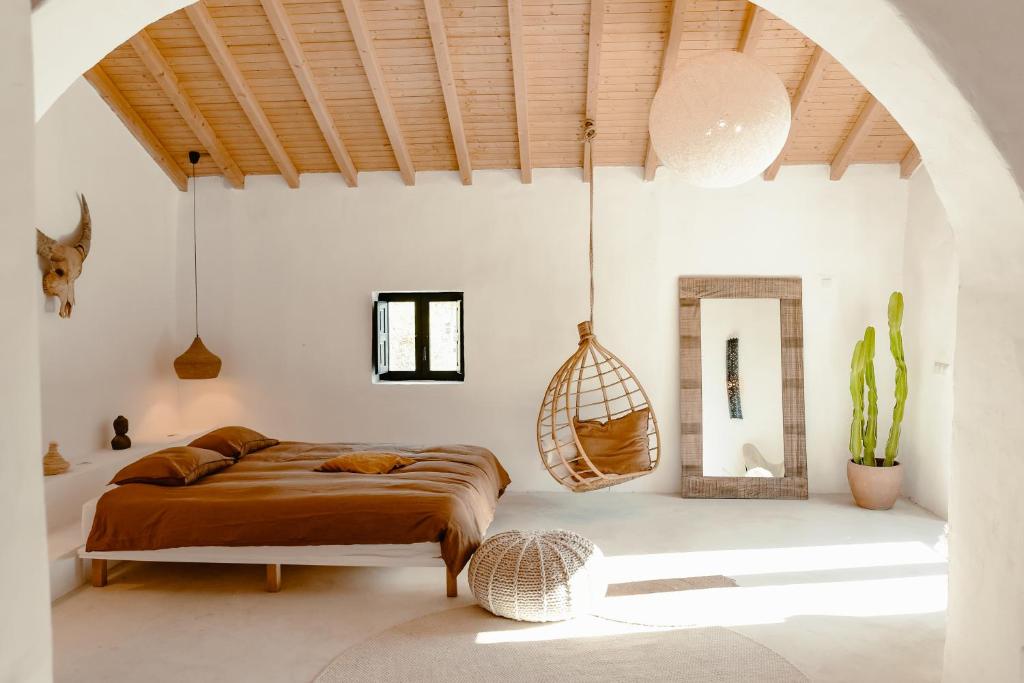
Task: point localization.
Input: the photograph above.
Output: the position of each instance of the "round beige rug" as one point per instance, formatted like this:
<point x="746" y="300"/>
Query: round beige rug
<point x="469" y="644"/>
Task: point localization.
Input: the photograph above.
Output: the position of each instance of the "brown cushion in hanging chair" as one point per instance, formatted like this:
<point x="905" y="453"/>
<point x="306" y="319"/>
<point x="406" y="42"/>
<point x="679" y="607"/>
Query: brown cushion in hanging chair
<point x="618" y="446"/>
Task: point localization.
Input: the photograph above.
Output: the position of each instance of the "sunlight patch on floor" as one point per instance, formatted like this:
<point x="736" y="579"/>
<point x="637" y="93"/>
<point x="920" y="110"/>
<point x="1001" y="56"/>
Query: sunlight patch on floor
<point x="740" y="607"/>
<point x="796" y="581"/>
<point x="745" y="562"/>
<point x="582" y="627"/>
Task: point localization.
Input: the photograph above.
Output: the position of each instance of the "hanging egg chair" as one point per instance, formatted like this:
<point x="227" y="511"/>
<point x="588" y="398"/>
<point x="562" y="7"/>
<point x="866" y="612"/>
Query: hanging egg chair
<point x="596" y="426"/>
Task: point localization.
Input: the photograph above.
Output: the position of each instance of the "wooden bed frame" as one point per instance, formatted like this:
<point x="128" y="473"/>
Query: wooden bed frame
<point x="273" y="557"/>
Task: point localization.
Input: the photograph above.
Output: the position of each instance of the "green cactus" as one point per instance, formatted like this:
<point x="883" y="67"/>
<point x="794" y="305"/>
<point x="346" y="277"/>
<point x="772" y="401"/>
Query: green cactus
<point x="892" y="445"/>
<point x="857" y="393"/>
<point x="864" y="430"/>
<point x="871" y="424"/>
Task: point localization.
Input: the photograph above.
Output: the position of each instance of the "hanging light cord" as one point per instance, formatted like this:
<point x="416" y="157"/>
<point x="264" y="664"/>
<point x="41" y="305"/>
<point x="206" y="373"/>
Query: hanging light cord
<point x="195" y="249"/>
<point x="589" y="132"/>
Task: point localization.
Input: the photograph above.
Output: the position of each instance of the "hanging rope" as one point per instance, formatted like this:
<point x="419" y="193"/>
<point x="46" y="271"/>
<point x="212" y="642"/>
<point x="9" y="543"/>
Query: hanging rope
<point x="589" y="132"/>
<point x="195" y="249"/>
<point x="591" y="382"/>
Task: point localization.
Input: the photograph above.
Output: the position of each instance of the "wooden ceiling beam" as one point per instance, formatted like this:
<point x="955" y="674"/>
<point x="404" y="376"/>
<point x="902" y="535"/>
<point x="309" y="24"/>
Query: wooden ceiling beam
<point x="515" y="37"/>
<point x="871" y="112"/>
<point x="594" y="40"/>
<point x="165" y="77"/>
<point x="812" y="76"/>
<point x="296" y="56"/>
<point x="134" y="123"/>
<point x="375" y="75"/>
<point x="229" y="69"/>
<point x="753" y="25"/>
<point x="669" y="58"/>
<point x="911" y="160"/>
<point x="439" y="38"/>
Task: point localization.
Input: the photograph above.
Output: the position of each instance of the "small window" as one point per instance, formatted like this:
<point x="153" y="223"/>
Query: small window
<point x="417" y="336"/>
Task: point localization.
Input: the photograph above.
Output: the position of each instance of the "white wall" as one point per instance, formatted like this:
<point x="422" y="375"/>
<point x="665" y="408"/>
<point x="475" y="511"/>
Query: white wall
<point x="113" y="355"/>
<point x="25" y="650"/>
<point x="981" y="39"/>
<point x="929" y="332"/>
<point x="286" y="277"/>
<point x="69" y="36"/>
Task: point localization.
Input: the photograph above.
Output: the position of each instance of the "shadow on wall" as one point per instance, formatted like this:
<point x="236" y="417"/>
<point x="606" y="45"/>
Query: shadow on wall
<point x="931" y="280"/>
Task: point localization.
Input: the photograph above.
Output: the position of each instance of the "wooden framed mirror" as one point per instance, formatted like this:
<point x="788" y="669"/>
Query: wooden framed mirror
<point x="741" y="372"/>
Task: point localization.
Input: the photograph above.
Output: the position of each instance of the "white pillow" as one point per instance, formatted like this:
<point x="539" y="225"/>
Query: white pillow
<point x="759" y="472"/>
<point x="565" y="450"/>
<point x="753" y="460"/>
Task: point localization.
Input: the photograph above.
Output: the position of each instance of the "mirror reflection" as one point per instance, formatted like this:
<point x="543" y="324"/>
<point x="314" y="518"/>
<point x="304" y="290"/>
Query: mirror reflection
<point x="741" y="388"/>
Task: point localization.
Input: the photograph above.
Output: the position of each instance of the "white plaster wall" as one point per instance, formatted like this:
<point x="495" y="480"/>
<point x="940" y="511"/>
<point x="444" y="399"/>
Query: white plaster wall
<point x="25" y="651"/>
<point x="756" y="324"/>
<point x="978" y="43"/>
<point x="930" y="279"/>
<point x="113" y="355"/>
<point x="286" y="277"/>
<point x="70" y="36"/>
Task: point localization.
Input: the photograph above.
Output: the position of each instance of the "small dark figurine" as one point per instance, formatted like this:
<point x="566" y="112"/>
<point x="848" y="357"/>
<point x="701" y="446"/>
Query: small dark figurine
<point x="121" y="440"/>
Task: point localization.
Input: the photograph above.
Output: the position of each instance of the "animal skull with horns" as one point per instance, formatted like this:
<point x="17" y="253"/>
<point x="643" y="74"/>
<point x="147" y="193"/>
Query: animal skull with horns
<point x="63" y="262"/>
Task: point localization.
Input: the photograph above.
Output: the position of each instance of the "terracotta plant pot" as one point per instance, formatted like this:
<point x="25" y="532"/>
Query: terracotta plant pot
<point x="874" y="488"/>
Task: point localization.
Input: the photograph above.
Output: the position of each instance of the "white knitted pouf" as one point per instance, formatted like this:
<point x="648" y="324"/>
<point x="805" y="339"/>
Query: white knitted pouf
<point x="538" y="575"/>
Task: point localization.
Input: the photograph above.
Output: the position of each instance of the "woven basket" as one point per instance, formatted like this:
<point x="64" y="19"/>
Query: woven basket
<point x="538" y="575"/>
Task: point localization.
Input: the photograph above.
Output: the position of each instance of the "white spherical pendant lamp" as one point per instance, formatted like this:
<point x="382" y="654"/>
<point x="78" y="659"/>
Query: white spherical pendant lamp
<point x="720" y="120"/>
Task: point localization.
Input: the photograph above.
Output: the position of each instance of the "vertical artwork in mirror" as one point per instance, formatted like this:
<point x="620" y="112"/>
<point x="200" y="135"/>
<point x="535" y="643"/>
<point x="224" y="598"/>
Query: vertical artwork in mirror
<point x="741" y="379"/>
<point x="732" y="377"/>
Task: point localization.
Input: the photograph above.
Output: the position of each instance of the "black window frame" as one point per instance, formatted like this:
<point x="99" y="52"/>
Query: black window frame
<point x="422" y="301"/>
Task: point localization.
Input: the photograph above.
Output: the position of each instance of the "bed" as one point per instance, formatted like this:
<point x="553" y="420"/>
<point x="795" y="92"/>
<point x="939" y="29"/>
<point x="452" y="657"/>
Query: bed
<point x="272" y="508"/>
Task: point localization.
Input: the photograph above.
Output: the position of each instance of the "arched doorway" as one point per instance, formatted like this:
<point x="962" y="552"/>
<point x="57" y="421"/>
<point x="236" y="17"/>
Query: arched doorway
<point x="984" y="206"/>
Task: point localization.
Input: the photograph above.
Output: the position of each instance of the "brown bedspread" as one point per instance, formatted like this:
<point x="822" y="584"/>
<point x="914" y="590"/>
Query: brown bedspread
<point x="273" y="497"/>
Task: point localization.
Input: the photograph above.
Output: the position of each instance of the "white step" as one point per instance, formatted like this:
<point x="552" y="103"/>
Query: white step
<point x="66" y="493"/>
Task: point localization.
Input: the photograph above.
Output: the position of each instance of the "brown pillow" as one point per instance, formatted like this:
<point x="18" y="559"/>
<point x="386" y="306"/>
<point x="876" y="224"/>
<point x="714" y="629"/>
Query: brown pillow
<point x="234" y="442"/>
<point x="178" y="466"/>
<point x="618" y="446"/>
<point x="365" y="462"/>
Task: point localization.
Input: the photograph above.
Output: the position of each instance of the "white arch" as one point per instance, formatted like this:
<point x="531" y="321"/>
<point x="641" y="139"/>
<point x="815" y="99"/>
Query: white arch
<point x="985" y="628"/>
<point x="986" y="621"/>
<point x="70" y="36"/>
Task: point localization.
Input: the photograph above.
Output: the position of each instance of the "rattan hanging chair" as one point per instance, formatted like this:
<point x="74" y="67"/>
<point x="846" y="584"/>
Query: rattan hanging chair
<point x="593" y="385"/>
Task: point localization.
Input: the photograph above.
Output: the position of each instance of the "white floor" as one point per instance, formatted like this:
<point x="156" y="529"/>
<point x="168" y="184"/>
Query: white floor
<point x="843" y="593"/>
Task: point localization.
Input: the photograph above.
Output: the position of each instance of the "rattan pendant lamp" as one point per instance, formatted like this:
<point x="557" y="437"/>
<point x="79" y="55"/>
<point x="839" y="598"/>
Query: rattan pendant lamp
<point x="592" y="386"/>
<point x="198" y="362"/>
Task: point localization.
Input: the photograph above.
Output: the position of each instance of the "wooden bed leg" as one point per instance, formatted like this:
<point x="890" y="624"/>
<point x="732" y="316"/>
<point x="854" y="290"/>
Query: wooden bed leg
<point x="273" y="578"/>
<point x="453" y="583"/>
<point x="99" y="573"/>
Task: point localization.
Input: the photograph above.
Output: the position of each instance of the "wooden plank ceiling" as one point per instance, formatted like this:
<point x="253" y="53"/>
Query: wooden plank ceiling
<point x="283" y="87"/>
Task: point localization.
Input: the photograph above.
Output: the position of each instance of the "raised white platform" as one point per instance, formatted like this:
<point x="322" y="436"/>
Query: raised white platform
<point x="88" y="478"/>
<point x="66" y="493"/>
